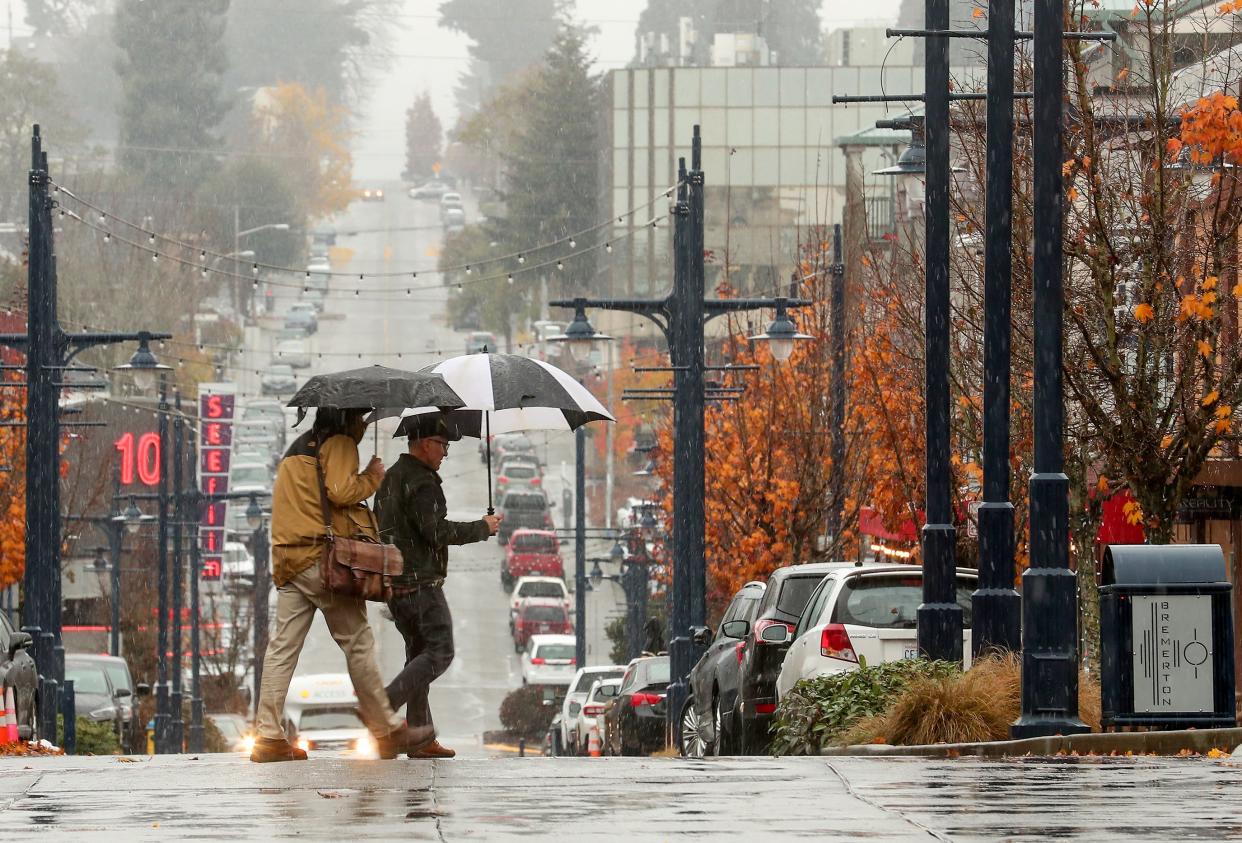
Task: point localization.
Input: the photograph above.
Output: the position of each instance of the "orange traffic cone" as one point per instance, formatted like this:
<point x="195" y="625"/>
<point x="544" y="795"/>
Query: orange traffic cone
<point x="10" y="716"/>
<point x="593" y="743"/>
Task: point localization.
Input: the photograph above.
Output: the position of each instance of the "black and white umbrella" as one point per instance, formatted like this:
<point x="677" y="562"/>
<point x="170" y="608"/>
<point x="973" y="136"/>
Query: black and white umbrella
<point x="508" y="393"/>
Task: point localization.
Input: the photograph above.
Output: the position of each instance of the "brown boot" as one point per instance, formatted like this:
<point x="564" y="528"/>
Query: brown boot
<point x="435" y="749"/>
<point x="266" y="749"/>
<point x="405" y="739"/>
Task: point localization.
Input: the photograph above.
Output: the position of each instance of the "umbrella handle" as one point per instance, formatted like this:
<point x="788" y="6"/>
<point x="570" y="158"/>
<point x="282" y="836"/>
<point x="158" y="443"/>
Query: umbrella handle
<point x="487" y="422"/>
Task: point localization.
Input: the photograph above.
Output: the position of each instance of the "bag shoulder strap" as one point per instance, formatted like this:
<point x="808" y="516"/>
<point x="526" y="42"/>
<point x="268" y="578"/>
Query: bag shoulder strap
<point x="323" y="495"/>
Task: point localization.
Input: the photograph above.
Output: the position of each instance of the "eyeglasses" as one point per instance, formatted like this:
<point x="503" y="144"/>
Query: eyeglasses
<point x="442" y="443"/>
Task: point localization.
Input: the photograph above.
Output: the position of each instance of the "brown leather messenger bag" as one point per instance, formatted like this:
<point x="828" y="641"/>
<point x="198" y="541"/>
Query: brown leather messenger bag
<point x="354" y="567"/>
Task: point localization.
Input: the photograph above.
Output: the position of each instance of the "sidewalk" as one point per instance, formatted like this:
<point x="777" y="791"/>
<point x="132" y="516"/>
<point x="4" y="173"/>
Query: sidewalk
<point x="225" y="797"/>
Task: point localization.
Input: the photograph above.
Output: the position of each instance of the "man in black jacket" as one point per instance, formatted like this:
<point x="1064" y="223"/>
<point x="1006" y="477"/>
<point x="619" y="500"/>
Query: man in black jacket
<point x="413" y="516"/>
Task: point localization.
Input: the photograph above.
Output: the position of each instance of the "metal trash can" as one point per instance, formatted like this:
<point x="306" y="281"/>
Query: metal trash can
<point x="1166" y="637"/>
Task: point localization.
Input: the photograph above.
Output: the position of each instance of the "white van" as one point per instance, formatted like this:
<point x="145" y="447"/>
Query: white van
<point x="321" y="710"/>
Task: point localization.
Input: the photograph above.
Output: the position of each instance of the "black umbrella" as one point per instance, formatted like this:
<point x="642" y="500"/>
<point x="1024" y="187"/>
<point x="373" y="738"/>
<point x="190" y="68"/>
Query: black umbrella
<point x="506" y="393"/>
<point x="375" y="386"/>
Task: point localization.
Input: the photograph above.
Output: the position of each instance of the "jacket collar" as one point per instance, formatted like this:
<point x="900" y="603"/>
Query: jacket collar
<point x="418" y="466"/>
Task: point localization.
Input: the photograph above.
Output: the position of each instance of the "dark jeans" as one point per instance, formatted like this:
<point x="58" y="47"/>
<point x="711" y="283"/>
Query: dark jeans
<point x="422" y="617"/>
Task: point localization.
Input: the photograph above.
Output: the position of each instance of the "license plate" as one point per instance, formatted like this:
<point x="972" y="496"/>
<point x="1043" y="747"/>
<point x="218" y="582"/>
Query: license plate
<point x="910" y="653"/>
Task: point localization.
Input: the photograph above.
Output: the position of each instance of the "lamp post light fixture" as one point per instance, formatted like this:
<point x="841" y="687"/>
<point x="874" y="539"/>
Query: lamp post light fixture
<point x="597" y="574"/>
<point x="911" y="169"/>
<point x="254" y="514"/>
<point x="143" y="366"/>
<point x="132" y="517"/>
<point x="580" y="336"/>
<point x="782" y="333"/>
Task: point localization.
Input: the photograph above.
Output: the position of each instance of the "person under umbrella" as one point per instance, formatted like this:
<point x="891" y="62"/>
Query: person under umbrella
<point x="507" y="393"/>
<point x="326" y="453"/>
<point x="413" y="516"/>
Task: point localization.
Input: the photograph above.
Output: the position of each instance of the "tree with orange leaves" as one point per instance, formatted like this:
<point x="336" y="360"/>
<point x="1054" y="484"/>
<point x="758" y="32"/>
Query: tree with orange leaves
<point x="12" y="486"/>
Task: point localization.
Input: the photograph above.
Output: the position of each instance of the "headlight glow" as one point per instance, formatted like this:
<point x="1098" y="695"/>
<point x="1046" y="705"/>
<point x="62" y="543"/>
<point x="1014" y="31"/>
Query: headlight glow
<point x="304" y="744"/>
<point x="247" y="744"/>
<point x="365" y="745"/>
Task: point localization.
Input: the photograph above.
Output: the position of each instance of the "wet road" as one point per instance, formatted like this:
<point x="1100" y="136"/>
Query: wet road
<point x="219" y="797"/>
<point x="403" y="331"/>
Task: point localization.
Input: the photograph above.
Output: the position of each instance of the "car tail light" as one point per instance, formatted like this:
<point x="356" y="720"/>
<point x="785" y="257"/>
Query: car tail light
<point x="641" y="698"/>
<point x="761" y="625"/>
<point x="765" y="708"/>
<point x="502" y="480"/>
<point x="738" y="650"/>
<point x="534" y="481"/>
<point x="834" y="643"/>
<point x="536" y="660"/>
<point x="593" y="710"/>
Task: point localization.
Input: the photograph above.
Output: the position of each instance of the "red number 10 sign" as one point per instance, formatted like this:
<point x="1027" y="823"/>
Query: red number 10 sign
<point x="139" y="456"/>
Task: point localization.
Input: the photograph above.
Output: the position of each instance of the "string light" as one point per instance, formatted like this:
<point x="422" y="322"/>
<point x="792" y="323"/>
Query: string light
<point x="510" y="278"/>
<point x="107" y="236"/>
<point x="467" y="269"/>
<point x="203" y="271"/>
<point x="103" y="218"/>
<point x="151" y="239"/>
<point x="608" y="248"/>
<point x="521" y="258"/>
<point x="254" y="269"/>
<point x="459" y="288"/>
<point x="155" y="256"/>
<point x="573" y="244"/>
<point x="254" y="285"/>
<point x="559" y="264"/>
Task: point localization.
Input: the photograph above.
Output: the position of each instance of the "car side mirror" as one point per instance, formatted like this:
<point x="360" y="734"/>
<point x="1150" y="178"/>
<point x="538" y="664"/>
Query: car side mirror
<point x="735" y="629"/>
<point x="143" y="689"/>
<point x="702" y="635"/>
<point x="124" y="692"/>
<point x="777" y="633"/>
<point x="19" y="641"/>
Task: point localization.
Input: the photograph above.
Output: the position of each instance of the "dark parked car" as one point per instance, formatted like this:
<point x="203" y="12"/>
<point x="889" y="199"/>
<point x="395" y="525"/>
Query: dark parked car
<point x="716" y="678"/>
<point x="95" y="696"/>
<point x="17" y="671"/>
<point x="118" y="673"/>
<point x="522" y="509"/>
<point x="634" y="721"/>
<point x="744" y="729"/>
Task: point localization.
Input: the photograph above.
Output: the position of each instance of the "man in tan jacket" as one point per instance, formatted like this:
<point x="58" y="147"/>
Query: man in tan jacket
<point x="297" y="545"/>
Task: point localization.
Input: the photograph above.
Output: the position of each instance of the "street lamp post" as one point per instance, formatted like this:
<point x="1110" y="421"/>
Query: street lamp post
<point x="580" y="546"/>
<point x="239" y="233"/>
<point x="255" y="517"/>
<point x="1049" y="587"/>
<point x="681" y="316"/>
<point x="49" y="352"/>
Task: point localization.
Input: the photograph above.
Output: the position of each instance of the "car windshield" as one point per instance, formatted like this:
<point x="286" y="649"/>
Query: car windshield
<point x="517" y="442"/>
<point x="520" y="472"/>
<point x="87" y="679"/>
<point x="586" y="680"/>
<point x="554" y="651"/>
<point x="119" y="675"/>
<point x="544" y="613"/>
<point x="652" y="671"/>
<point x="535" y="544"/>
<point x="541" y="589"/>
<point x="795" y="591"/>
<point x="282" y="370"/>
<point x="251" y="475"/>
<point x="322" y="719"/>
<point x="890" y="602"/>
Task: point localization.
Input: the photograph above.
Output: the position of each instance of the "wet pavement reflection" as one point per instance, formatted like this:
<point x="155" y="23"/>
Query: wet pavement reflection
<point x="227" y="798"/>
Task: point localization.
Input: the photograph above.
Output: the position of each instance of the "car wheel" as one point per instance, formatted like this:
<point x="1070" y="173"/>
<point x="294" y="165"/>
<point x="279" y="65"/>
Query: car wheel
<point x="693" y="741"/>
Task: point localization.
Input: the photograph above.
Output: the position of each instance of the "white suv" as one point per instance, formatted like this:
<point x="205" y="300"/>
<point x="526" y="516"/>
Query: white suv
<point x="867" y="612"/>
<point x="571" y="708"/>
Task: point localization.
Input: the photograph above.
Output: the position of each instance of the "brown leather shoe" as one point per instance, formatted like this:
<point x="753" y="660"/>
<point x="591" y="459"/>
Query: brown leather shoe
<point x="435" y="749"/>
<point x="404" y="739"/>
<point x="266" y="749"/>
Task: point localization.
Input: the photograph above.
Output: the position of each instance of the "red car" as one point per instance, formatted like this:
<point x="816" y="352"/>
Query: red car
<point x="539" y="616"/>
<point x="532" y="553"/>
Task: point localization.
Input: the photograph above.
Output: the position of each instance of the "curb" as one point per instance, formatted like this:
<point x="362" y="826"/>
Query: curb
<point x="1121" y="743"/>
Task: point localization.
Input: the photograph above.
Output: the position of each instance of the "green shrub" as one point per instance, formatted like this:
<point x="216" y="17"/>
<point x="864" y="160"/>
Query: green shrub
<point x="816" y="711"/>
<point x="93" y="738"/>
<point x="524" y="714"/>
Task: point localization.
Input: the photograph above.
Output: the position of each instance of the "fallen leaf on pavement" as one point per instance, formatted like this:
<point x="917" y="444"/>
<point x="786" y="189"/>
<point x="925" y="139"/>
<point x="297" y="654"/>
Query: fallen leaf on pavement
<point x="1217" y="753"/>
<point x="126" y="760"/>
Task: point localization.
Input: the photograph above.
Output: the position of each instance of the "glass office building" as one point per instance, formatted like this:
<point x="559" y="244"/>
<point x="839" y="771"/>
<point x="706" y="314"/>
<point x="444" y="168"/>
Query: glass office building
<point x="774" y="173"/>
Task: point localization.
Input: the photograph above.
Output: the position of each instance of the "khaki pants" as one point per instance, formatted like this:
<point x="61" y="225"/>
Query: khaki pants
<point x="296" y="602"/>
